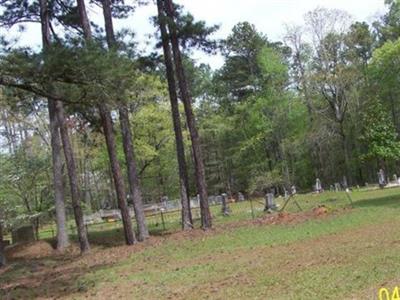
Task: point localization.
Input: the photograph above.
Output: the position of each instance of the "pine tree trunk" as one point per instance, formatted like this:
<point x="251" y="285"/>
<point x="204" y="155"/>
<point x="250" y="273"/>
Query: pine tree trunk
<point x="73" y="180"/>
<point x="346" y="159"/>
<point x="106" y="121"/>
<point x="187" y="222"/>
<point x="191" y="121"/>
<point x="133" y="177"/>
<point x="108" y="24"/>
<point x="59" y="201"/>
<point x="107" y="124"/>
<point x="84" y="20"/>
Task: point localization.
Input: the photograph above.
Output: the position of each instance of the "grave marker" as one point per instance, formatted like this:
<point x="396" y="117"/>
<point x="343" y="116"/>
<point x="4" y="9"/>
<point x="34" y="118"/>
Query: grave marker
<point x="381" y="178"/>
<point x="24" y="234"/>
<point x="318" y="185"/>
<point x="225" y="209"/>
<point x="270" y="203"/>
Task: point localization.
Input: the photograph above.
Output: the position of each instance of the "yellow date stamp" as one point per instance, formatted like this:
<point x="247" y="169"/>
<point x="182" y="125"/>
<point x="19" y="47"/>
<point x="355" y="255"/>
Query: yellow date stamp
<point x="389" y="294"/>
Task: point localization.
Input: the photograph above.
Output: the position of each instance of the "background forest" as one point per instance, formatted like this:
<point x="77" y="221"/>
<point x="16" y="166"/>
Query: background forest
<point x="322" y="103"/>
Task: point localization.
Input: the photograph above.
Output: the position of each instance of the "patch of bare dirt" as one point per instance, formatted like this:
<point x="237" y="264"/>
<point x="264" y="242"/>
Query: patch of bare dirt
<point x="320" y="210"/>
<point x="283" y="218"/>
<point x="35" y="250"/>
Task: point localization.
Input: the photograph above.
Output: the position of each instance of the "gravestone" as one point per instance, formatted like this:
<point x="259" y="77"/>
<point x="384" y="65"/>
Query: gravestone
<point x="194" y="202"/>
<point x="240" y="197"/>
<point x="294" y="191"/>
<point x="318" y="185"/>
<point x="24" y="234"/>
<point x="344" y="183"/>
<point x="225" y="209"/>
<point x="381" y="178"/>
<point x="164" y="201"/>
<point x="337" y="186"/>
<point x="395" y="179"/>
<point x="270" y="203"/>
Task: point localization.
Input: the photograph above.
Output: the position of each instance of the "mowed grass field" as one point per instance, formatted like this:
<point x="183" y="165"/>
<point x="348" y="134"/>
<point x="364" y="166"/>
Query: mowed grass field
<point x="346" y="253"/>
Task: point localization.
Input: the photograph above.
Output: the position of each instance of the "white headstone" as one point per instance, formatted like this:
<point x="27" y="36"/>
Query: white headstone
<point x="318" y="186"/>
<point x="240" y="197"/>
<point x="381" y="178"/>
<point x="293" y="188"/>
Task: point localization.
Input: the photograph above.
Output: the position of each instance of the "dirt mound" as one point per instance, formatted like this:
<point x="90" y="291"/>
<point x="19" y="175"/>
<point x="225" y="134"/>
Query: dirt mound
<point x="280" y="218"/>
<point x="293" y="218"/>
<point x="283" y="216"/>
<point x="30" y="251"/>
<point x="319" y="211"/>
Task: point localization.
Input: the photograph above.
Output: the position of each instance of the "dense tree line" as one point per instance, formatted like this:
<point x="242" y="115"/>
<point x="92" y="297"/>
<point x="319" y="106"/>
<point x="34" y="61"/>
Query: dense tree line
<point x="90" y="122"/>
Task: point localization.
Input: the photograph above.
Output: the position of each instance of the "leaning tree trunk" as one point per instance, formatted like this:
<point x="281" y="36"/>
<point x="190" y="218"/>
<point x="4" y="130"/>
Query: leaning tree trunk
<point x="59" y="202"/>
<point x="108" y="129"/>
<point x="133" y="178"/>
<point x="187" y="222"/>
<point x="191" y="121"/>
<point x="73" y="180"/>
<point x="117" y="174"/>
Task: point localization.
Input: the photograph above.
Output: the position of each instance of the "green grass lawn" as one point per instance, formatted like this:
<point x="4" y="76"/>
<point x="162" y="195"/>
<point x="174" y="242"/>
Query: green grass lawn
<point x="348" y="254"/>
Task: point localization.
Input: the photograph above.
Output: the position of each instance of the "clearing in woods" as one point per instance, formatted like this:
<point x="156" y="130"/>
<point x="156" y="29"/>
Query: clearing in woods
<point x="321" y="254"/>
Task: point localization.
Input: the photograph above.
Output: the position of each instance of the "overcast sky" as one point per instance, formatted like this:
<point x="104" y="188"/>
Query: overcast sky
<point x="269" y="17"/>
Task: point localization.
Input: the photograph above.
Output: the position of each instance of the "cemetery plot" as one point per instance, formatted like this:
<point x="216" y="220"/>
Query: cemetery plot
<point x="267" y="257"/>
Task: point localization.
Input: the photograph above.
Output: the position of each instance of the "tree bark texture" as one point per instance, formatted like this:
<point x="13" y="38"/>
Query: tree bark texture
<point x="73" y="180"/>
<point x="107" y="124"/>
<point x="187" y="222"/>
<point x="59" y="201"/>
<point x="191" y="121"/>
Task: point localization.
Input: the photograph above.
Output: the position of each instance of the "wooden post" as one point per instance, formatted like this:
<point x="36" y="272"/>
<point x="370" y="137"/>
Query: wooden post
<point x="252" y="208"/>
<point x="349" y="198"/>
<point x="162" y="220"/>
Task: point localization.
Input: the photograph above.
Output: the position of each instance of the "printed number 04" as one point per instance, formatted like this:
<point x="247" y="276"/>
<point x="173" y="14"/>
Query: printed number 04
<point x="384" y="294"/>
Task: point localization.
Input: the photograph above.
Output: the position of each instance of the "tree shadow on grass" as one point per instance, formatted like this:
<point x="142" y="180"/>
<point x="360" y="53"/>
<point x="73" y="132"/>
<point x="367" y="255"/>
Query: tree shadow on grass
<point x="114" y="237"/>
<point x="48" y="277"/>
<point x="107" y="237"/>
<point x="388" y="201"/>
